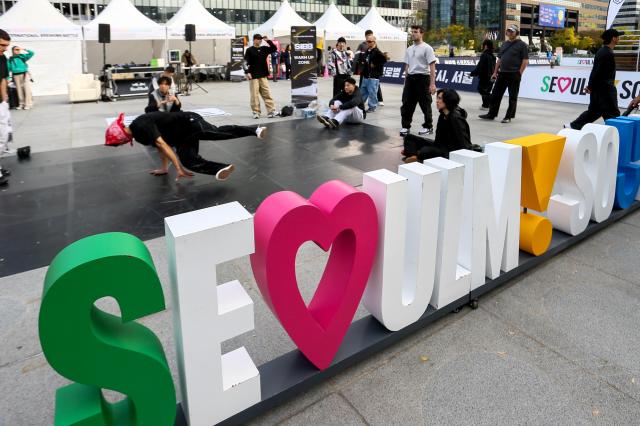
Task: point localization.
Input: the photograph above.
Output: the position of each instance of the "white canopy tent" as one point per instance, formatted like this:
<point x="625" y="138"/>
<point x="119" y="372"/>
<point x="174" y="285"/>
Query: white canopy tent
<point x="209" y="29"/>
<point x="279" y="25"/>
<point x="390" y="39"/>
<point x="383" y="30"/>
<point x="333" y="25"/>
<point x="134" y="37"/>
<point x="56" y="42"/>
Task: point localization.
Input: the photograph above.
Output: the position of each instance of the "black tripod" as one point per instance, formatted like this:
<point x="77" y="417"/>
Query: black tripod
<point x="191" y="77"/>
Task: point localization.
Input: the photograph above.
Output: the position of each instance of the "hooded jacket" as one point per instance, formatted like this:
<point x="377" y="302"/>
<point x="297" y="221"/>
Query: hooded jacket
<point x="453" y="131"/>
<point x="349" y="100"/>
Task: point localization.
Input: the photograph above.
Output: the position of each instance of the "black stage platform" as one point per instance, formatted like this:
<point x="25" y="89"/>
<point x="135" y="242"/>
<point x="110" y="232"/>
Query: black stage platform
<point x="55" y="198"/>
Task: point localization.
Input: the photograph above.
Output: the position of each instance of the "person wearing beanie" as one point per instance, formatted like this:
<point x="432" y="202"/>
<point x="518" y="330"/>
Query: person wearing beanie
<point x="177" y="137"/>
<point x="346" y="107"/>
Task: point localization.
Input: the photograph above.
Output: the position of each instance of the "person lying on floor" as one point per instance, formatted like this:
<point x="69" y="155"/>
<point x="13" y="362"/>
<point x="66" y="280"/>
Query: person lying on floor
<point x="183" y="132"/>
<point x="452" y="132"/>
<point x="162" y="99"/>
<point x="345" y="107"/>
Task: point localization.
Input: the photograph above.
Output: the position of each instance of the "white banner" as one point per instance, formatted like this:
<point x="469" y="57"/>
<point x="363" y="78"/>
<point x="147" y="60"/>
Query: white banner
<point x="576" y="62"/>
<point x="567" y="85"/>
<point x="614" y="8"/>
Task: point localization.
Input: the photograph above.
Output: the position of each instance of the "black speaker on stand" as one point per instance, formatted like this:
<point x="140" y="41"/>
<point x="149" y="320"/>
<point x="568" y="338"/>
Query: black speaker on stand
<point x="104" y="37"/>
<point x="190" y="36"/>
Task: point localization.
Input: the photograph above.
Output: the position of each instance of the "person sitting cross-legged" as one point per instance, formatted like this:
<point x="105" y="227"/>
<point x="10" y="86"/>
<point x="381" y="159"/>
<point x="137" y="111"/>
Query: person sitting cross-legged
<point x="452" y="132"/>
<point x="346" y="107"/>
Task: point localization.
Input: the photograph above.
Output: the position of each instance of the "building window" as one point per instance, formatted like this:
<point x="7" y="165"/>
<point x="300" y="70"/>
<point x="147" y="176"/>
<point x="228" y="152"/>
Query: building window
<point x="343" y="2"/>
<point x="389" y="3"/>
<point x="364" y="3"/>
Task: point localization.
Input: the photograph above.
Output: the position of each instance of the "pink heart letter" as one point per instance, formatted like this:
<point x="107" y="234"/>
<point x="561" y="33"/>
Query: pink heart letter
<point x="336" y="214"/>
<point x="564" y="83"/>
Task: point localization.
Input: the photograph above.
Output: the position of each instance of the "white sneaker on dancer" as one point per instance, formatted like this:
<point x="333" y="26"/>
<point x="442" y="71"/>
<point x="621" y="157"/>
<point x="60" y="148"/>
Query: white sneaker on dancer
<point x="256" y="115"/>
<point x="404" y="131"/>
<point x="427" y="131"/>
<point x="261" y="132"/>
<point x="224" y="174"/>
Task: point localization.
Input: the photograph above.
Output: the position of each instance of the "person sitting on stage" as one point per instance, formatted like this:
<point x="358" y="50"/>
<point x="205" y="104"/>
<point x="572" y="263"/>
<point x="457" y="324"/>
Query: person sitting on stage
<point x="162" y="99"/>
<point x="168" y="72"/>
<point x="345" y="107"/>
<point x="452" y="132"/>
<point x="183" y="132"/>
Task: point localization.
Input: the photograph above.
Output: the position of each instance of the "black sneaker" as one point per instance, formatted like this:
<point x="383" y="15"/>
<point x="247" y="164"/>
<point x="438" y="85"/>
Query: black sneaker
<point x="334" y="123"/>
<point x="3" y="181"/>
<point x="5" y="172"/>
<point x="324" y="120"/>
<point x="486" y="117"/>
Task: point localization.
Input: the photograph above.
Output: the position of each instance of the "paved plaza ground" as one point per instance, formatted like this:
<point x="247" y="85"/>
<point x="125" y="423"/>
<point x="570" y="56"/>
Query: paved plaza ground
<point x="558" y="345"/>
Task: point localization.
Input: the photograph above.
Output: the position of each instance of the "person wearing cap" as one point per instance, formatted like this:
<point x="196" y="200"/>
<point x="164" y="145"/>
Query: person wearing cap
<point x="182" y="132"/>
<point x="257" y="73"/>
<point x="513" y="58"/>
<point x="603" y="95"/>
<point x="345" y="107"/>
<point x="339" y="65"/>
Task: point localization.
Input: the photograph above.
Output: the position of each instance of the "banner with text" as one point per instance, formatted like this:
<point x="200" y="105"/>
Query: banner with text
<point x="447" y="76"/>
<point x="567" y="85"/>
<point x="304" y="66"/>
<point x="237" y="54"/>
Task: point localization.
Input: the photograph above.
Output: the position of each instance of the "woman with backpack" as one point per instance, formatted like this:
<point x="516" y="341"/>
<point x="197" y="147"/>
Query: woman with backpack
<point x="20" y="75"/>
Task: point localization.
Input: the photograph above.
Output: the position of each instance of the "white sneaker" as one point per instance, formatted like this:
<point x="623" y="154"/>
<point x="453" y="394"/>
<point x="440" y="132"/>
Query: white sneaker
<point x="272" y="114"/>
<point x="261" y="132"/>
<point x="424" y="131"/>
<point x="404" y="131"/>
<point x="224" y="174"/>
<point x="567" y="126"/>
<point x="20" y="107"/>
<point x="26" y="108"/>
<point x="256" y="115"/>
<point x="381" y="103"/>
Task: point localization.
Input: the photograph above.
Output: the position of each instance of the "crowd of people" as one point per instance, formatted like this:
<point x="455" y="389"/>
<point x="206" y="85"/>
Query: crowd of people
<point x="176" y="134"/>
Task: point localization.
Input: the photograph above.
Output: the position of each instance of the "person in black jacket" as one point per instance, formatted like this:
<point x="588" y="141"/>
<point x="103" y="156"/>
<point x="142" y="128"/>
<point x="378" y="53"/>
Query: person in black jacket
<point x="345" y="107"/>
<point x="484" y="71"/>
<point x="162" y="99"/>
<point x="374" y="61"/>
<point x="452" y="132"/>
<point x="285" y="57"/>
<point x="257" y="73"/>
<point x="177" y="138"/>
<point x="603" y="95"/>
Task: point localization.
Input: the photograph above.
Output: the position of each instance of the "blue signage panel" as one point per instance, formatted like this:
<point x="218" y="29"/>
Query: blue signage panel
<point x="451" y="76"/>
<point x="552" y="16"/>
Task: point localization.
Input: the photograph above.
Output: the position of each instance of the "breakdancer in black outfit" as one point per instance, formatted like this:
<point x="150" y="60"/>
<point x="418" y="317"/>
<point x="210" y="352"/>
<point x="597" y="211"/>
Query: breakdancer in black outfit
<point x="183" y="132"/>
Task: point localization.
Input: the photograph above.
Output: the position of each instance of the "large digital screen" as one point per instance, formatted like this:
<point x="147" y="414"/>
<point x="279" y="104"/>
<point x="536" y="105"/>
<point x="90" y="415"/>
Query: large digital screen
<point x="551" y="16"/>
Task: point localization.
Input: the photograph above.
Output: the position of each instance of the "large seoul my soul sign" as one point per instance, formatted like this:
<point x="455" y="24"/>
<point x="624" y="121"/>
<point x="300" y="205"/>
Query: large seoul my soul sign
<point x="428" y="235"/>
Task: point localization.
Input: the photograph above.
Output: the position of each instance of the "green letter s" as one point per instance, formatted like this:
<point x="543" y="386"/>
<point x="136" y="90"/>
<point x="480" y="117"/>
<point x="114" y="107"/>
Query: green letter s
<point x="98" y="350"/>
<point x="545" y="84"/>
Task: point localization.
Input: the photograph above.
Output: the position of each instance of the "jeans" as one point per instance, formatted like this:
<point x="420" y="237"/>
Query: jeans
<point x="603" y="102"/>
<point x="506" y="80"/>
<point x="416" y="91"/>
<point x="369" y="92"/>
<point x="188" y="151"/>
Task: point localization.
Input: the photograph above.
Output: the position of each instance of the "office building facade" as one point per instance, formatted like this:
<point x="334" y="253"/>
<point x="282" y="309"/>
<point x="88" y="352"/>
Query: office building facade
<point x="245" y="15"/>
<point x="629" y="15"/>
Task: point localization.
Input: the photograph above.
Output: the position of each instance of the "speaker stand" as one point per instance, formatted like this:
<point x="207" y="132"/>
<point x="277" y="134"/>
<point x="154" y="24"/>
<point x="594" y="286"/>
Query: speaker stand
<point x="191" y="78"/>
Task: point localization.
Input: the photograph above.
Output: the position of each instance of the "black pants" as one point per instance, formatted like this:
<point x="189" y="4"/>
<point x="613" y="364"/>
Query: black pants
<point x="506" y="80"/>
<point x="416" y="91"/>
<point x="338" y="83"/>
<point x="288" y="70"/>
<point x="484" y="89"/>
<point x="422" y="147"/>
<point x="188" y="151"/>
<point x="380" y="93"/>
<point x="603" y="102"/>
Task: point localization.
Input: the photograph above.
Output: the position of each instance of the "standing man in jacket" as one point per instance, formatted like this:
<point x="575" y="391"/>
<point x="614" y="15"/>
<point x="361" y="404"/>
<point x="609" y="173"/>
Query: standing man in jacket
<point x="20" y="74"/>
<point x="345" y="107"/>
<point x="420" y="83"/>
<point x="339" y="65"/>
<point x="257" y="73"/>
<point x="374" y="61"/>
<point x="603" y="95"/>
<point x="513" y="58"/>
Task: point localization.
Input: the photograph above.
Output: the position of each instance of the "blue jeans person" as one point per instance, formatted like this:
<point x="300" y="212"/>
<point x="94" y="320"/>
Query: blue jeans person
<point x="369" y="92"/>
